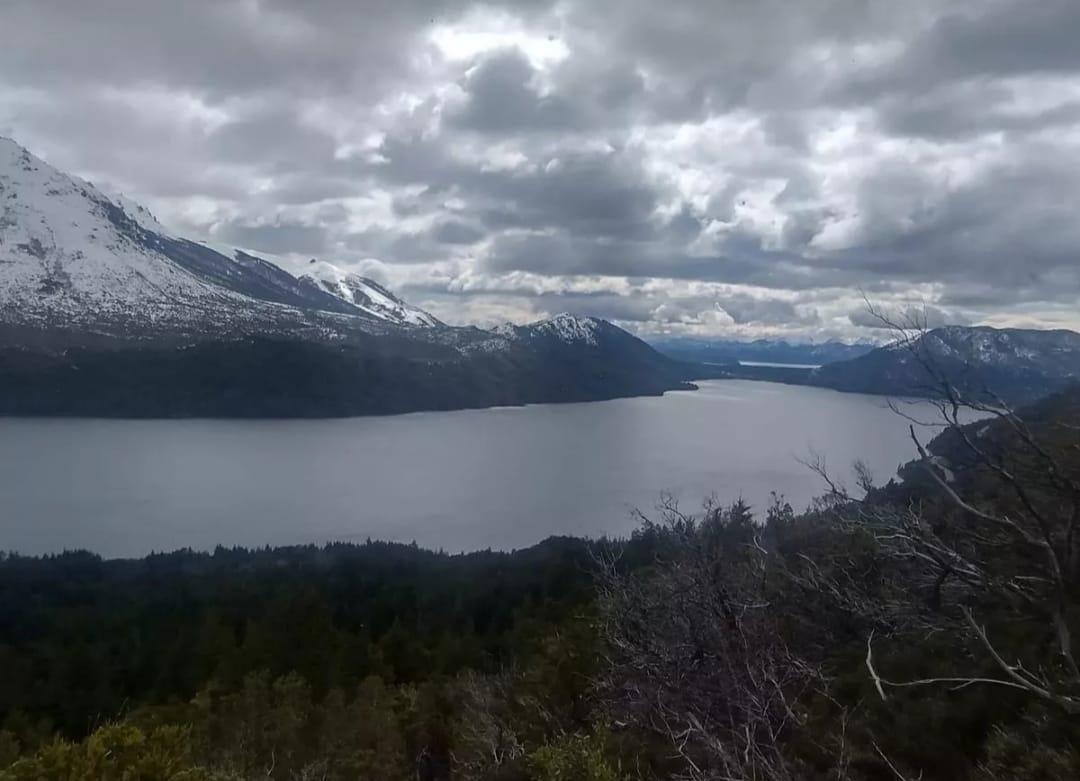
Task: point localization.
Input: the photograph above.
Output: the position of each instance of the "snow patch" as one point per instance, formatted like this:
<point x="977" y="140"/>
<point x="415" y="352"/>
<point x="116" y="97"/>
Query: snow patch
<point x="564" y="327"/>
<point x="365" y="294"/>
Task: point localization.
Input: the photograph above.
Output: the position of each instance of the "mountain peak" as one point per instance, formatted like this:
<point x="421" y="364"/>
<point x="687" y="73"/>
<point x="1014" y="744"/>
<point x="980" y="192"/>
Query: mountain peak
<point x="364" y="293"/>
<point x="72" y="257"/>
<point x="9" y="148"/>
<point x="564" y="327"/>
<point x="1016" y="364"/>
<point x="140" y="214"/>
<point x="567" y="317"/>
<point x="572" y="328"/>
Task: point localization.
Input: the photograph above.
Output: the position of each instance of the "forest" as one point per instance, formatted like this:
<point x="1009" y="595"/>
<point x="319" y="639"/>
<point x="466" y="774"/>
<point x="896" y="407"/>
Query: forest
<point x="923" y="628"/>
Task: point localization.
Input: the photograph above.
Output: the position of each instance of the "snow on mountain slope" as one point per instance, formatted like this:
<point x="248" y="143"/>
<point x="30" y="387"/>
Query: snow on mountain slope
<point x="1016" y="364"/>
<point x="75" y="262"/>
<point x="72" y="258"/>
<point x="83" y="274"/>
<point x="324" y="286"/>
<point x="566" y="328"/>
<point x="141" y="215"/>
<point x="1055" y="352"/>
<point x="64" y="259"/>
<point x="364" y="293"/>
<point x="569" y="328"/>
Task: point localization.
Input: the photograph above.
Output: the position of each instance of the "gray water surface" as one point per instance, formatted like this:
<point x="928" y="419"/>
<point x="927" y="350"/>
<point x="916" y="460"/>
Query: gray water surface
<point x="499" y="478"/>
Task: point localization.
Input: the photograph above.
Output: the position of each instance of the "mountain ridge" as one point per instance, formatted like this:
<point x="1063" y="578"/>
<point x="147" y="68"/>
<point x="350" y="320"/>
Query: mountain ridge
<point x="103" y="311"/>
<point x="1017" y="365"/>
<point x="364" y="293"/>
<point x="72" y="254"/>
<point x="85" y="277"/>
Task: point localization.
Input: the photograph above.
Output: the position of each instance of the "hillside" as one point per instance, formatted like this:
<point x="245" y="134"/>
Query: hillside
<point x="1018" y="365"/>
<point x="104" y="311"/>
<point x="1053" y="421"/>
<point x="266" y="377"/>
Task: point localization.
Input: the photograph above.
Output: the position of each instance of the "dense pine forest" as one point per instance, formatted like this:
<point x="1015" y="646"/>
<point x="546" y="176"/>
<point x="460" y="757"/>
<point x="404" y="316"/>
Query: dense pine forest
<point x="352" y="657"/>
<point x="919" y="629"/>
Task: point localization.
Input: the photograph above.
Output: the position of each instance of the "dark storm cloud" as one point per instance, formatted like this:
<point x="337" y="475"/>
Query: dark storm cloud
<point x="601" y="193"/>
<point x="1013" y="224"/>
<point x="983" y="40"/>
<point x="744" y="263"/>
<point x="926" y="316"/>
<point x="454" y="232"/>
<point x="796" y="151"/>
<point x="396" y="245"/>
<point x="706" y="57"/>
<point x="957" y="113"/>
<point x="222" y="47"/>
<point x="276" y="238"/>
<point x="588" y="194"/>
<point x="294" y="187"/>
<point x="269" y="136"/>
<point x="501" y="97"/>
<point x="504" y="93"/>
<point x="746" y="309"/>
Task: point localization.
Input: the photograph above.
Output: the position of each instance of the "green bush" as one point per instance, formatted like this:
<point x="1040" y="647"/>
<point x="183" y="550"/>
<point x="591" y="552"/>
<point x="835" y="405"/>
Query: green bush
<point x="573" y="758"/>
<point x="117" y="752"/>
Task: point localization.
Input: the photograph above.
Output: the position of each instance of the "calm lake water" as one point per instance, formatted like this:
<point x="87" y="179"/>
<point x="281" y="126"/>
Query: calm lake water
<point x="499" y="478"/>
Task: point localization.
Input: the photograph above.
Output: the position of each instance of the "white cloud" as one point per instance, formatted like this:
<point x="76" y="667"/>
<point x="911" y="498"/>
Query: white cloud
<point x="690" y="166"/>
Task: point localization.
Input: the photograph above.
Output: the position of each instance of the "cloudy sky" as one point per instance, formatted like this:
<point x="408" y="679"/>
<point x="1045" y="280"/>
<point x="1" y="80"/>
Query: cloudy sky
<point x="722" y="167"/>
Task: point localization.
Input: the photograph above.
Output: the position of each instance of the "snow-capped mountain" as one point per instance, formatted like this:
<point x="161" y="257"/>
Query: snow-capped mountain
<point x="1054" y="352"/>
<point x="70" y="256"/>
<point x="591" y="345"/>
<point x="566" y="328"/>
<point x="225" y="331"/>
<point x="73" y="258"/>
<point x="1016" y="364"/>
<point x="365" y="294"/>
<point x="218" y="331"/>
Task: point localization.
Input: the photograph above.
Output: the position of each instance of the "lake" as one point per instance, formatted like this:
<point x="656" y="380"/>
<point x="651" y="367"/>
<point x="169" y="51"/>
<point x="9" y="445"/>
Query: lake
<point x="498" y="478"/>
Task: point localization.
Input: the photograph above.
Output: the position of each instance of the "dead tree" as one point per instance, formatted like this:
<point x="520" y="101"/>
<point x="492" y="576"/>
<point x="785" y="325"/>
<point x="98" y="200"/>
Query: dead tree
<point x="487" y="741"/>
<point x="696" y="652"/>
<point x="999" y="538"/>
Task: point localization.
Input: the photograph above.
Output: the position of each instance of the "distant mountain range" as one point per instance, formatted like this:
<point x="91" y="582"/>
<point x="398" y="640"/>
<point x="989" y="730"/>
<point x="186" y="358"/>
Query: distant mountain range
<point x="758" y="351"/>
<point x="1012" y="364"/>
<point x="103" y="311"/>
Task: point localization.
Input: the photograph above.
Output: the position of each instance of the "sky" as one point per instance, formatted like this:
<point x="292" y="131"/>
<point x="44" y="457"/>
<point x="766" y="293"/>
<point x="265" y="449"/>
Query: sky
<point x="721" y="168"/>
